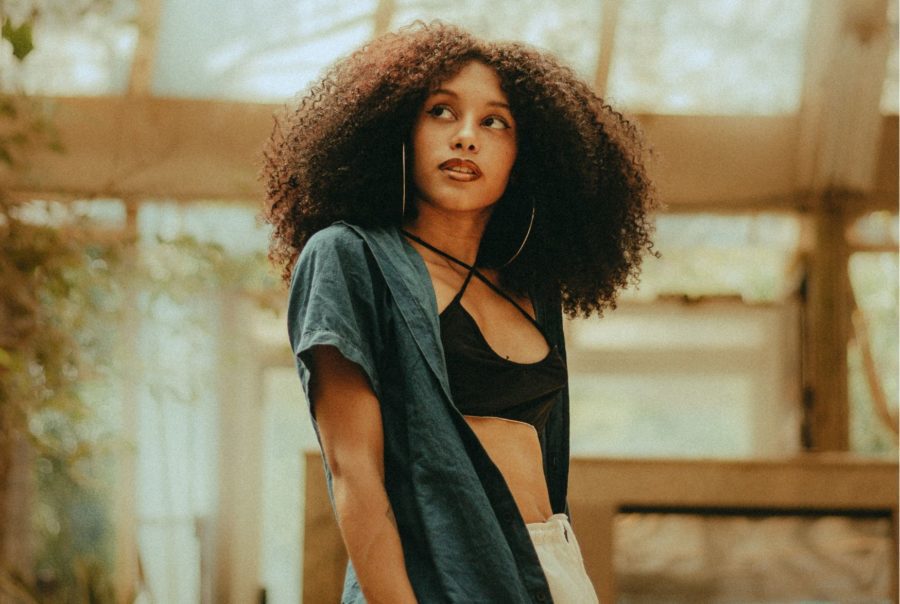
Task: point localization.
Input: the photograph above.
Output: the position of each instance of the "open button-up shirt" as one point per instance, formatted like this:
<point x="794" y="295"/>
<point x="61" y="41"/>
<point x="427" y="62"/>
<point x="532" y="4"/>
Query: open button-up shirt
<point x="367" y="292"/>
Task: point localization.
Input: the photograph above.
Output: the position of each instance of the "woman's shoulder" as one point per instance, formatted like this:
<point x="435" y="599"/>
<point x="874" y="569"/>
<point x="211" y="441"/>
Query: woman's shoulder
<point x="347" y="249"/>
<point x="332" y="250"/>
<point x="346" y="237"/>
<point x="339" y="236"/>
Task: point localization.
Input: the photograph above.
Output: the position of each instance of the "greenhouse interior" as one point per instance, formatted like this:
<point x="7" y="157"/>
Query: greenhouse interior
<point x="734" y="420"/>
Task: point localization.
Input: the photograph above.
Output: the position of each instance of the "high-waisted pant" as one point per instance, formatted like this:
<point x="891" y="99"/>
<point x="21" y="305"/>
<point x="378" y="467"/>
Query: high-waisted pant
<point x="561" y="560"/>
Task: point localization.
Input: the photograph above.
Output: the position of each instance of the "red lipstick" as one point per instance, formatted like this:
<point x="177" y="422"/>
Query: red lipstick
<point x="460" y="169"/>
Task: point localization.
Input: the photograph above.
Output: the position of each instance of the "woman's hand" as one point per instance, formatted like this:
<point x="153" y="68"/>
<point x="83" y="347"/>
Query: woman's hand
<point x="349" y="420"/>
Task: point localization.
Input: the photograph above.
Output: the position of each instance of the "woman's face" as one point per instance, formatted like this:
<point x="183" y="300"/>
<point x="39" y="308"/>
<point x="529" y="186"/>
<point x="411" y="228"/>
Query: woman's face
<point x="464" y="142"/>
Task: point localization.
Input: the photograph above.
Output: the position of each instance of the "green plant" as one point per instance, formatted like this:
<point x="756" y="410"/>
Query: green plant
<point x="55" y="287"/>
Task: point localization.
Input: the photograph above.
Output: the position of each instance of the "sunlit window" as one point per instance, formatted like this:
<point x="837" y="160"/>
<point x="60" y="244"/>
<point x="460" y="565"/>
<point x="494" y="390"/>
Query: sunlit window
<point x="751" y="257"/>
<point x="702" y="359"/>
<point x="210" y="51"/>
<point x="753" y="559"/>
<point x="571" y="30"/>
<point x="99" y="213"/>
<point x="873" y="351"/>
<point x="191" y="257"/>
<point x="709" y="56"/>
<point x="77" y="50"/>
<point x="288" y="432"/>
<point x="266" y="50"/>
<point x="874" y="230"/>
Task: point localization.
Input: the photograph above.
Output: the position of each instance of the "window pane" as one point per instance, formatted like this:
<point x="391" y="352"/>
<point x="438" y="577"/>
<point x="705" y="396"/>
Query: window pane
<point x="76" y="52"/>
<point x="192" y="256"/>
<point x="231" y="226"/>
<point x="210" y="50"/>
<point x="709" y="56"/>
<point x="749" y="256"/>
<point x="259" y="50"/>
<point x="176" y="444"/>
<point x="94" y="213"/>
<point x="666" y="379"/>
<point x="878" y="229"/>
<point x="571" y="29"/>
<point x="714" y="377"/>
<point x="874" y="277"/>
<point x="683" y="559"/>
<point x="288" y="432"/>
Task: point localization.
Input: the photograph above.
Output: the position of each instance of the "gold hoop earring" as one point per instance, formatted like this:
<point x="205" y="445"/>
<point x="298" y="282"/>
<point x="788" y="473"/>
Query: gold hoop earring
<point x="403" y="173"/>
<point x="527" y="234"/>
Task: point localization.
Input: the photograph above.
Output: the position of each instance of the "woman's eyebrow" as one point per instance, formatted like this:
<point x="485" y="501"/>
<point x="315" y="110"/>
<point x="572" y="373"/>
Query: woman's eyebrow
<point x="454" y="95"/>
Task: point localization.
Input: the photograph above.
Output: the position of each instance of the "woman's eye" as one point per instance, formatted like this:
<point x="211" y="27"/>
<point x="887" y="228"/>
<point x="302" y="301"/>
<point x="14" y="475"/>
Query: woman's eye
<point x="441" y="111"/>
<point x="496" y="123"/>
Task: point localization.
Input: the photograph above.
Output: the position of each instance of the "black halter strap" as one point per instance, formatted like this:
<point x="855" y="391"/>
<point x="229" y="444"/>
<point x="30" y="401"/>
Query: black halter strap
<point x="472" y="271"/>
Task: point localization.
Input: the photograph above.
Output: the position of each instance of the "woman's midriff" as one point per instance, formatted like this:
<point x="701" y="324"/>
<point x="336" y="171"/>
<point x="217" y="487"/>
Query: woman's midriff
<point x="516" y="451"/>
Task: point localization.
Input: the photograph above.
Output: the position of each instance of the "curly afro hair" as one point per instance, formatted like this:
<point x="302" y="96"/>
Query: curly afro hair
<point x="579" y="163"/>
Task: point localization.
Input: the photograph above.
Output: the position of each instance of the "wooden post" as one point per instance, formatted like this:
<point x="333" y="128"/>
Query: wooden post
<point x="594" y="525"/>
<point x="127" y="571"/>
<point x="324" y="555"/>
<point x="827" y="331"/>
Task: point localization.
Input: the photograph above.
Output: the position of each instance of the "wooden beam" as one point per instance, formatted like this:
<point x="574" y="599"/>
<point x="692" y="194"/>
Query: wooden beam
<point x="151" y="148"/>
<point x="193" y="149"/>
<point x="185" y="149"/>
<point x="819" y="482"/>
<point x="840" y="116"/>
<point x="140" y="81"/>
<point x="609" y="21"/>
<point x="601" y="487"/>
<point x="384" y="14"/>
<point x="723" y="159"/>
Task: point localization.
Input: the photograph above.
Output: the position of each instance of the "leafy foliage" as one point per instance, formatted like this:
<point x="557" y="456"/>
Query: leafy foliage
<point x="20" y="38"/>
<point x="56" y="290"/>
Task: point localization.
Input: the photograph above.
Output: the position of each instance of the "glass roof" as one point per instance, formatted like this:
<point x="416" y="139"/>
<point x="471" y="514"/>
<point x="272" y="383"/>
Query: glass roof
<point x="692" y="56"/>
<point x="256" y="50"/>
<point x="210" y="51"/>
<point x="709" y="56"/>
<point x="571" y="29"/>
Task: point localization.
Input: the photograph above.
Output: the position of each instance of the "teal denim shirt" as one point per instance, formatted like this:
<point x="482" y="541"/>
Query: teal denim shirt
<point x="367" y="292"/>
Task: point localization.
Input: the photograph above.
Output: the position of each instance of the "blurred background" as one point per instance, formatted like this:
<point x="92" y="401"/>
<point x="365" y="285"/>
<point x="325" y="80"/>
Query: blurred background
<point x="734" y="420"/>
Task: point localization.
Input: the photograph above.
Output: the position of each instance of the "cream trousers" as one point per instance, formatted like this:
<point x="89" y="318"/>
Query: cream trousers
<point x="561" y="560"/>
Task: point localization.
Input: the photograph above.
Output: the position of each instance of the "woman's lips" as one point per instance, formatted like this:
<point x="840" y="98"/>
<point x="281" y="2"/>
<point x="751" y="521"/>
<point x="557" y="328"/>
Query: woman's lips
<point x="460" y="169"/>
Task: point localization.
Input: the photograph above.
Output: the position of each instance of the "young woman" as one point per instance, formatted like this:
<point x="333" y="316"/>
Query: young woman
<point x="437" y="201"/>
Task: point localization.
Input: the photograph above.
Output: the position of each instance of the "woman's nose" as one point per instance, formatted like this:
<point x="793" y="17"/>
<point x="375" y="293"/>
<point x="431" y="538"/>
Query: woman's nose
<point x="465" y="138"/>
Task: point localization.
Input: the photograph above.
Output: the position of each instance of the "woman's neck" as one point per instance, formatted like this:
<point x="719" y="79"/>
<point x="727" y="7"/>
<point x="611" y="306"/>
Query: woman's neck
<point x="456" y="233"/>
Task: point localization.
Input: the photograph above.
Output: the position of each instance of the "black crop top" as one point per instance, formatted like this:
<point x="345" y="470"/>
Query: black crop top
<point x="482" y="382"/>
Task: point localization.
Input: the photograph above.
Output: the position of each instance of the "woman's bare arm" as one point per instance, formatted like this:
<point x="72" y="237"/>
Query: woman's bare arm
<point x="349" y="420"/>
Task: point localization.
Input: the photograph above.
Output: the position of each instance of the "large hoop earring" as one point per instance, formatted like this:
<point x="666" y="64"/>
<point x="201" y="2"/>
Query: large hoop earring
<point x="403" y="173"/>
<point x="527" y="233"/>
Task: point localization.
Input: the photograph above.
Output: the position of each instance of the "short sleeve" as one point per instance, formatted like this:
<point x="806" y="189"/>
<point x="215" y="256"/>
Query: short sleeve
<point x="336" y="299"/>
